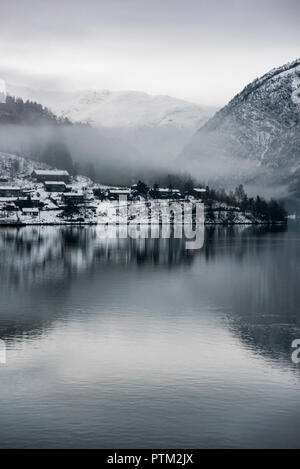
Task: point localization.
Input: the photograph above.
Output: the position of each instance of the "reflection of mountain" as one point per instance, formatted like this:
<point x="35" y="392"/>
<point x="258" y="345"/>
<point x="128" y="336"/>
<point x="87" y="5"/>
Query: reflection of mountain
<point x="41" y="265"/>
<point x="257" y="285"/>
<point x="249" y="274"/>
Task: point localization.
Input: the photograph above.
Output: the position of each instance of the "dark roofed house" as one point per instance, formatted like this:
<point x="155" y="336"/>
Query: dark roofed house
<point x="115" y="193"/>
<point x="43" y="175"/>
<point x="10" y="191"/>
<point x="55" y="186"/>
<point x="165" y="193"/>
<point x="199" y="193"/>
<point x="32" y="212"/>
<point x="73" y="198"/>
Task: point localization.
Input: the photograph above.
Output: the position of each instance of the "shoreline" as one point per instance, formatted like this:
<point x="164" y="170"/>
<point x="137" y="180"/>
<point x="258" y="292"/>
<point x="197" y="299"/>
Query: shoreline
<point x="23" y="224"/>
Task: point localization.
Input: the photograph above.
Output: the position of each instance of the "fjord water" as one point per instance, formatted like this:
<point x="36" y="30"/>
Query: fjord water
<point x="142" y="343"/>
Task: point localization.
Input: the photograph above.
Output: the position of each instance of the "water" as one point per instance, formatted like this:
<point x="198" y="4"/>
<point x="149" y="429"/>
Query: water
<point x="141" y="343"/>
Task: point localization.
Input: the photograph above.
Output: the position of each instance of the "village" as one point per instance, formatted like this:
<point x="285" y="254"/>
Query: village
<point x="53" y="196"/>
<point x="33" y="193"/>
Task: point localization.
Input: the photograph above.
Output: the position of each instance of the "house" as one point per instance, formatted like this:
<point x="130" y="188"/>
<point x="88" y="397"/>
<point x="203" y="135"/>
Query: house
<point x="10" y="191"/>
<point x="114" y="194"/>
<point x="33" y="212"/>
<point x="29" y="202"/>
<point x="43" y="175"/>
<point x="10" y="207"/>
<point x="55" y="186"/>
<point x="164" y="193"/>
<point x="73" y="198"/>
<point x="198" y="193"/>
<point x="99" y="193"/>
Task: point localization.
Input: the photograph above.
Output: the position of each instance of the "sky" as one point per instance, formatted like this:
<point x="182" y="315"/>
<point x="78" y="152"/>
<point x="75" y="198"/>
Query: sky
<point x="204" y="51"/>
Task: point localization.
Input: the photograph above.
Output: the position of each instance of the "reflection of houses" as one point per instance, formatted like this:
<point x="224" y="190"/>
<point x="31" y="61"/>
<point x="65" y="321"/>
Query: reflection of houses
<point x="43" y="175"/>
<point x="73" y="198"/>
<point x="55" y="186"/>
<point x="7" y="191"/>
<point x="114" y="194"/>
<point x="198" y="193"/>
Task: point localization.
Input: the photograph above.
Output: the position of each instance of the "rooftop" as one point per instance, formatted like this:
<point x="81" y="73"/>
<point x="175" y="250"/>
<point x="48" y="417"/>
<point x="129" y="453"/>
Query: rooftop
<point x="30" y="210"/>
<point x="61" y="183"/>
<point x="45" y="172"/>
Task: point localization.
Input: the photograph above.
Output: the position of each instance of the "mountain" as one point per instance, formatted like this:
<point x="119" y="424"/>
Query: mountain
<point x="158" y="127"/>
<point x="31" y="130"/>
<point x="256" y="137"/>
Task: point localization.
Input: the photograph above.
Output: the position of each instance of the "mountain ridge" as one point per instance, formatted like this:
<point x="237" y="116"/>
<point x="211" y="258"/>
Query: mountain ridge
<point x="256" y="136"/>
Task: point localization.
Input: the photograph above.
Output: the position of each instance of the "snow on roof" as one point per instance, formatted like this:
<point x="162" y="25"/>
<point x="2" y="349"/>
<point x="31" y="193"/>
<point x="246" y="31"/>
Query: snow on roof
<point x="30" y="210"/>
<point x="61" y="183"/>
<point x="73" y="194"/>
<point x="168" y="190"/>
<point x="8" y="199"/>
<point x="197" y="189"/>
<point x="10" y="188"/>
<point x="119" y="191"/>
<point x="54" y="172"/>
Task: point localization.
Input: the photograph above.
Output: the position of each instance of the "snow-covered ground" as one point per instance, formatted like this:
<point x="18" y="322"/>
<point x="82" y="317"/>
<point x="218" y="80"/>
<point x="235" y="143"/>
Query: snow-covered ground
<point x="16" y="171"/>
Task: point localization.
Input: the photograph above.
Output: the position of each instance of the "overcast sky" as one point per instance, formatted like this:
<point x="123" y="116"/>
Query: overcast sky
<point x="201" y="50"/>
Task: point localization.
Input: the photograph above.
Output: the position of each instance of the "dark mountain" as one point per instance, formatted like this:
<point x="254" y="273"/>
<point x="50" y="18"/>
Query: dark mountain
<point x="255" y="139"/>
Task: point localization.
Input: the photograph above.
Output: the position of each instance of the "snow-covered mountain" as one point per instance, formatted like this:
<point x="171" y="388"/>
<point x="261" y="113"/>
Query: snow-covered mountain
<point x="256" y="137"/>
<point x="157" y="126"/>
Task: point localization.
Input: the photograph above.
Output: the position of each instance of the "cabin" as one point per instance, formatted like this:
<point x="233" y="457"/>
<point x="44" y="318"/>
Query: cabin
<point x="164" y="193"/>
<point x="55" y="186"/>
<point x="99" y="193"/>
<point x="7" y="191"/>
<point x="198" y="193"/>
<point x="43" y="175"/>
<point x="114" y="194"/>
<point x="33" y="212"/>
<point x="73" y="198"/>
<point x="29" y="202"/>
<point x="9" y="207"/>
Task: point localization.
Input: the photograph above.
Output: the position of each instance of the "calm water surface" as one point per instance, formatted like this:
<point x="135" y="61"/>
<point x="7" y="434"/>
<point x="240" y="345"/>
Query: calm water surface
<point x="141" y="343"/>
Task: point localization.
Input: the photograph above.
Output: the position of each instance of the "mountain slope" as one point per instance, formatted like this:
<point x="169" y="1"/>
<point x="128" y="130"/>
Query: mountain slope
<point x="256" y="137"/>
<point x="157" y="126"/>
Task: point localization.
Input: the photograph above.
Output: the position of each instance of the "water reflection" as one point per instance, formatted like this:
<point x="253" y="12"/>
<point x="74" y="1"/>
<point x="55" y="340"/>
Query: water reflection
<point x="131" y="319"/>
<point x="252" y="273"/>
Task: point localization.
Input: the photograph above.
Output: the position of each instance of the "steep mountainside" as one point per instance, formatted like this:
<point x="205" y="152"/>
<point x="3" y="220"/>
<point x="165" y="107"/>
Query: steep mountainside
<point x="256" y="137"/>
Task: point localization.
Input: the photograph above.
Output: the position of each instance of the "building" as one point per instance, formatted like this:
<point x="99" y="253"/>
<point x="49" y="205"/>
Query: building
<point x="198" y="193"/>
<point x="164" y="193"/>
<point x="33" y="212"/>
<point x="114" y="194"/>
<point x="29" y="202"/>
<point x="43" y="175"/>
<point x="55" y="186"/>
<point x="99" y="193"/>
<point x="9" y="207"/>
<point x="10" y="191"/>
<point x="73" y="198"/>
